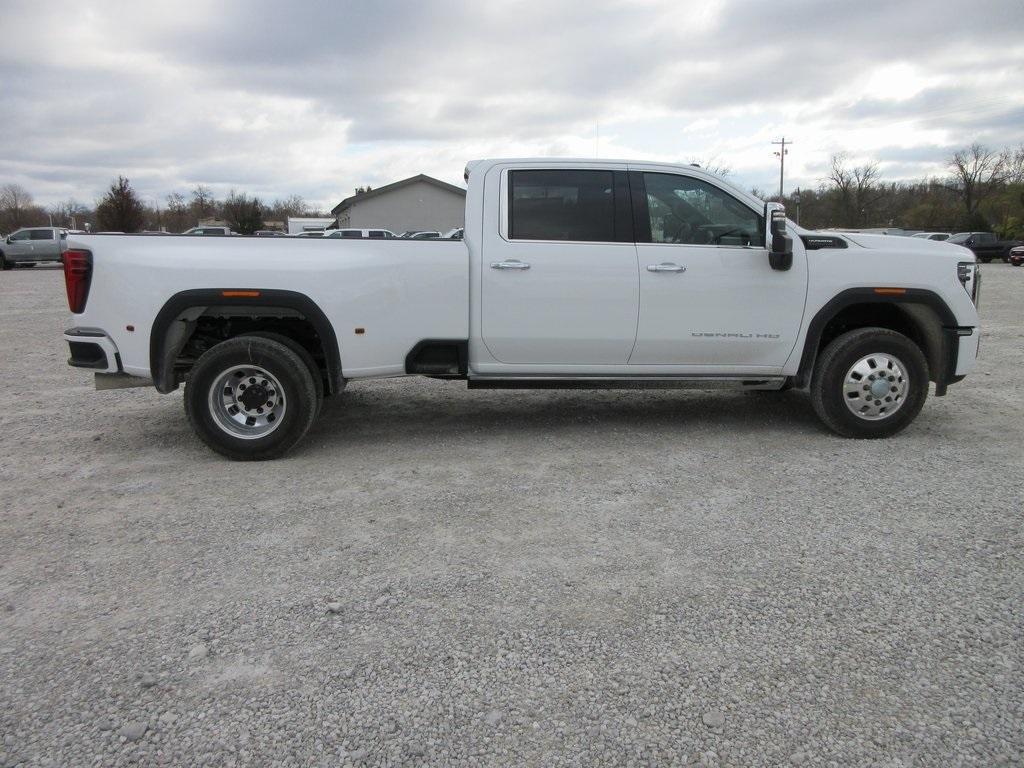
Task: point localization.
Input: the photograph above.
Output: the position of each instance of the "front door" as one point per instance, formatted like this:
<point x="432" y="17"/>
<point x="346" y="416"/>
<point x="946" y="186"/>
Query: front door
<point x="20" y="246"/>
<point x="708" y="296"/>
<point x="559" y="280"/>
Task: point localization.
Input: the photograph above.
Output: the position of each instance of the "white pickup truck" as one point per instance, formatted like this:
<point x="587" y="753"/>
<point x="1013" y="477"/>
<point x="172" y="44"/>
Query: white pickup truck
<point x="573" y="273"/>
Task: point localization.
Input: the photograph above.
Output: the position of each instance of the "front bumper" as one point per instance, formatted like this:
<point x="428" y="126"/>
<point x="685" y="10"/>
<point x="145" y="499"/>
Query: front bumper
<point x="91" y="348"/>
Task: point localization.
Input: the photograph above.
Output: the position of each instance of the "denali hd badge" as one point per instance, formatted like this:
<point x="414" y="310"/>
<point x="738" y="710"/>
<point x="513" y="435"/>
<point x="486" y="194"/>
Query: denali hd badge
<point x="737" y="335"/>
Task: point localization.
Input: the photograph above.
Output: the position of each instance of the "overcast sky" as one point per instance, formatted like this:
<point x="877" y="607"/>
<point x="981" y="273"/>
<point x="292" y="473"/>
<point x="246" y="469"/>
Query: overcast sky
<point x="275" y="98"/>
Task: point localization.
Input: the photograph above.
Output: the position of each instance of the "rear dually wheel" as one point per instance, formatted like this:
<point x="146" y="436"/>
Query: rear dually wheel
<point x="251" y="398"/>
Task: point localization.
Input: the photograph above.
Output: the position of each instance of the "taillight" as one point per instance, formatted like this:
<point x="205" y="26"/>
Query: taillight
<point x="77" y="273"/>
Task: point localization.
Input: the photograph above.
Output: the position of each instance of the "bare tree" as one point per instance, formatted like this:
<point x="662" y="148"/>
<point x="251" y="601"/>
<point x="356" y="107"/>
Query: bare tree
<point x="177" y="216"/>
<point x="204" y="204"/>
<point x="977" y="172"/>
<point x="857" y="188"/>
<point x="15" y="204"/>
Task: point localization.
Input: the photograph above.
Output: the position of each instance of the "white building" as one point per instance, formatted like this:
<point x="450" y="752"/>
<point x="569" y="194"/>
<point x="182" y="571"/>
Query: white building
<point x="419" y="202"/>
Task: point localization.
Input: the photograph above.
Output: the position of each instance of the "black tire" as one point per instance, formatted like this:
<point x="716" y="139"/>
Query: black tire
<point x="301" y="351"/>
<point x="828" y="394"/>
<point x="1016" y="263"/>
<point x="298" y="392"/>
<point x="4" y="264"/>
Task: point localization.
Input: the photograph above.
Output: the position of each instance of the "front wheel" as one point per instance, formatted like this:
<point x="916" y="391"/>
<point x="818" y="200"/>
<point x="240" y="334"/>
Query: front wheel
<point x="869" y="383"/>
<point x="4" y="263"/>
<point x="251" y="398"/>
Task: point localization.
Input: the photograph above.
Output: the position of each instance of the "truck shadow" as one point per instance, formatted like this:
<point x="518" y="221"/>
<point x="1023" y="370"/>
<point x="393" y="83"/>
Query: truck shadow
<point x="422" y="411"/>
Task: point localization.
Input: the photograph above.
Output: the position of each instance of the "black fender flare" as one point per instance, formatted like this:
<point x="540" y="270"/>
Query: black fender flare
<point x="944" y="375"/>
<point x="165" y="344"/>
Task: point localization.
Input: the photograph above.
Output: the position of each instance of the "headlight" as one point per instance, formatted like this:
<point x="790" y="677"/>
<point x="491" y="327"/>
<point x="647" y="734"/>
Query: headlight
<point x="970" y="277"/>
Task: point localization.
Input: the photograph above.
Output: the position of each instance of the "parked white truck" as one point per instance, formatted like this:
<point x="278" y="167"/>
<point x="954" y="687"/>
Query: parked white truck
<point x="572" y="273"/>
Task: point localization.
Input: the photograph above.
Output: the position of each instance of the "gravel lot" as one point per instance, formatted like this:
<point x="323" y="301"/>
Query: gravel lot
<point x="445" y="577"/>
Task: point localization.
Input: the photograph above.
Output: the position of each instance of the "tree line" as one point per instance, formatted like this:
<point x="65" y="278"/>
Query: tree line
<point x="982" y="189"/>
<point x="121" y="209"/>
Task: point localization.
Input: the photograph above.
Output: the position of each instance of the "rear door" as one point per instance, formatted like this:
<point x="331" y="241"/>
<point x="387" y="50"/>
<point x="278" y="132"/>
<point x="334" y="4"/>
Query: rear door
<point x="45" y="244"/>
<point x="559" y="278"/>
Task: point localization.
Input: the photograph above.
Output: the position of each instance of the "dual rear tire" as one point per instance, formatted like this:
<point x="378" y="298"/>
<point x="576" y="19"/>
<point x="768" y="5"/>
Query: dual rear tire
<point x="252" y="398"/>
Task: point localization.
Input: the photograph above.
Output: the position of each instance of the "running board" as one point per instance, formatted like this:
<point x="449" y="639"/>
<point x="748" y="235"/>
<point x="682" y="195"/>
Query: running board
<point x="625" y="382"/>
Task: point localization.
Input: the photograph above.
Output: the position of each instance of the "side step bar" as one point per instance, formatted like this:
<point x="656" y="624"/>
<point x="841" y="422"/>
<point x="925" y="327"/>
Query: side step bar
<point x="625" y="382"/>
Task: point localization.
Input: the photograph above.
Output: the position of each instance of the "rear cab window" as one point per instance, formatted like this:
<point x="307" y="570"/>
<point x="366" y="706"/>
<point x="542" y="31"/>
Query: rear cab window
<point x="568" y="205"/>
<point x="41" y="234"/>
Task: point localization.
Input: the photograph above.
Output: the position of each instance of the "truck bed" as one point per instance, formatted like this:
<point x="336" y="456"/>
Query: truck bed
<point x="381" y="296"/>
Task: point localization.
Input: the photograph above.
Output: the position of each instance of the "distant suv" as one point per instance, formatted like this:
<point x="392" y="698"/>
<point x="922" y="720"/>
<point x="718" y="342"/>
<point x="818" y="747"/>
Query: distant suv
<point x="361" y="234"/>
<point x="932" y="235"/>
<point x="986" y="245"/>
<point x="32" y="245"/>
<point x="209" y="231"/>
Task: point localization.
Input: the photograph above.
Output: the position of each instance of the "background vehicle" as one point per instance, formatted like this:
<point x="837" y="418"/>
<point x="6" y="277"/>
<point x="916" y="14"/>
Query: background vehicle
<point x="414" y="234"/>
<point x="359" y="234"/>
<point x="32" y="245"/>
<point x="573" y="273"/>
<point x="1017" y="255"/>
<point x="269" y="233"/>
<point x="454" y="234"/>
<point x="986" y="245"/>
<point x="209" y="231"/>
<point x="313" y="233"/>
<point x="932" y="235"/>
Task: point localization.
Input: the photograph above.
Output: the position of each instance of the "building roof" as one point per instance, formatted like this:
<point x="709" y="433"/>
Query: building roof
<point x="348" y="201"/>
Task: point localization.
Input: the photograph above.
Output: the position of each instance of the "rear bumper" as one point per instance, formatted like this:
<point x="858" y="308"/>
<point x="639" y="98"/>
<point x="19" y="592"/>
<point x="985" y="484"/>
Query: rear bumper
<point x="91" y="348"/>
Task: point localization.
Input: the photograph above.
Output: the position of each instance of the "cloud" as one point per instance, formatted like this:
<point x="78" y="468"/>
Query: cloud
<point x="321" y="97"/>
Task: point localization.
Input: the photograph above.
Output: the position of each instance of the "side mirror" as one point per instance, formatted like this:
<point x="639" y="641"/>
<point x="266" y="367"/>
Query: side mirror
<point x="8" y="240"/>
<point x="780" y="245"/>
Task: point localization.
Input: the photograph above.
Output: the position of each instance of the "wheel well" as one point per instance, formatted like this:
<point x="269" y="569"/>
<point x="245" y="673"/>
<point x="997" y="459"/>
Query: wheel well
<point x="918" y="322"/>
<point x="193" y="321"/>
<point x="216" y="324"/>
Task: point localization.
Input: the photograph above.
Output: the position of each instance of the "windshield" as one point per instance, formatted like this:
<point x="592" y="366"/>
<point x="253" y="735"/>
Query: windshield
<point x="960" y="237"/>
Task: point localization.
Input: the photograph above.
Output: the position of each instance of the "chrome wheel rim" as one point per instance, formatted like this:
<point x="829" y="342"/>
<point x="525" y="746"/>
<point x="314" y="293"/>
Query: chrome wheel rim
<point x="247" y="402"/>
<point x="876" y="386"/>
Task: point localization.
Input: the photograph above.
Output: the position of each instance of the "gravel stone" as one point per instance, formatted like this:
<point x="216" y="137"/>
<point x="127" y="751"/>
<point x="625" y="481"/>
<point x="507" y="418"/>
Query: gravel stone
<point x="133" y="731"/>
<point x="569" y="578"/>
<point x="198" y="652"/>
<point x="334" y="607"/>
<point x="713" y="719"/>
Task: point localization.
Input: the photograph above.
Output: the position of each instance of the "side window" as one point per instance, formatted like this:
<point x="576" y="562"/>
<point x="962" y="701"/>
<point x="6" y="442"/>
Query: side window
<point x="22" y="235"/>
<point x="42" y="234"/>
<point x="352" y="234"/>
<point x="561" y="205"/>
<point x="689" y="211"/>
<point x="376" y="234"/>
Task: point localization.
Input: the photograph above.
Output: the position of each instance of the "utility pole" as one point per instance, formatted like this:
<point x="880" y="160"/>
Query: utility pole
<point x="781" y="154"/>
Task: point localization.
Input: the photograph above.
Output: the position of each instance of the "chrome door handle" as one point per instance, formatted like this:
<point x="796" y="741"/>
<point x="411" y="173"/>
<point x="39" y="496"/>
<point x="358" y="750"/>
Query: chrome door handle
<point x="665" y="266"/>
<point x="510" y="264"/>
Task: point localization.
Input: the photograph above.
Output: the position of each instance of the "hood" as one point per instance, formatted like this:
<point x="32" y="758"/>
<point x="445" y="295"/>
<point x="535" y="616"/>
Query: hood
<point x="899" y="244"/>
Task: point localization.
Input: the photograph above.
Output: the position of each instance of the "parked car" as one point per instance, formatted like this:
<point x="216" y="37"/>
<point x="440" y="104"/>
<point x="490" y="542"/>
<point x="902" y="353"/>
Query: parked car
<point x="585" y="274"/>
<point x="358" y="234"/>
<point x="269" y="233"/>
<point x="420" y="234"/>
<point x="210" y="231"/>
<point x="313" y="233"/>
<point x="32" y="245"/>
<point x="932" y="235"/>
<point x="986" y="245"/>
<point x="1017" y="255"/>
<point x="454" y="234"/>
